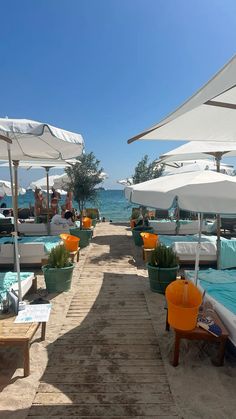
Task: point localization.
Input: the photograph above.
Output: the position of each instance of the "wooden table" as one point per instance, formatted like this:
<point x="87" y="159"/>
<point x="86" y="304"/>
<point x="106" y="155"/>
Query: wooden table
<point x="19" y="335"/>
<point x="201" y="334"/>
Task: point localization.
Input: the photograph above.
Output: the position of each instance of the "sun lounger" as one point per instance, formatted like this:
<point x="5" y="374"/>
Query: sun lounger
<point x="181" y="227"/>
<point x="40" y="229"/>
<point x="31" y="249"/>
<point x="185" y="247"/>
<point x="220" y="286"/>
<point x="9" y="280"/>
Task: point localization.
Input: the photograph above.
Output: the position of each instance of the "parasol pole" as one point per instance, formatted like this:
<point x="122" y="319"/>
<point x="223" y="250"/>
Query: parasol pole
<point x="218" y="157"/>
<point x="198" y="249"/>
<point x="17" y="255"/>
<point x="47" y="168"/>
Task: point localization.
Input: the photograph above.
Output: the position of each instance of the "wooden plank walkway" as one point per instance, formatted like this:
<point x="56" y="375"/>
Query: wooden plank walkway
<point x="106" y="362"/>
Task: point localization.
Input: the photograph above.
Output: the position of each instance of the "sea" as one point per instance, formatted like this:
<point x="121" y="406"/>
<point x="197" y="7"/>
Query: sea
<point x="112" y="204"/>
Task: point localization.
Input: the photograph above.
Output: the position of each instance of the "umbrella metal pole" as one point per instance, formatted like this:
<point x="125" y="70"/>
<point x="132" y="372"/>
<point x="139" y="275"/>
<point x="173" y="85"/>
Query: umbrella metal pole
<point x="48" y="215"/>
<point x="15" y="196"/>
<point x="17" y="256"/>
<point x="218" y="157"/>
<point x="198" y="250"/>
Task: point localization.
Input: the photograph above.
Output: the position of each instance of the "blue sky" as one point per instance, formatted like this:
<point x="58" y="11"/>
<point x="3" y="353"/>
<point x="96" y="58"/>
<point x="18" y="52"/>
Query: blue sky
<point x="109" y="68"/>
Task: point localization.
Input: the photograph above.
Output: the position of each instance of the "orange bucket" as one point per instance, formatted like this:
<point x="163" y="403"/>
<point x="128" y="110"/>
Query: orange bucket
<point x="87" y="222"/>
<point x="71" y="242"/>
<point x="184" y="300"/>
<point x="149" y="240"/>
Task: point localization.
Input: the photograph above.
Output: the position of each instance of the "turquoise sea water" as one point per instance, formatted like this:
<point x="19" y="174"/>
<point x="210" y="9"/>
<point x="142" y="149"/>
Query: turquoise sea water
<point x="111" y="203"/>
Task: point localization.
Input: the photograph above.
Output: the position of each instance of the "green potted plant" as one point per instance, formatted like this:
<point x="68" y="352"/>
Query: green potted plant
<point x="162" y="268"/>
<point x="59" y="269"/>
<point x="83" y="178"/>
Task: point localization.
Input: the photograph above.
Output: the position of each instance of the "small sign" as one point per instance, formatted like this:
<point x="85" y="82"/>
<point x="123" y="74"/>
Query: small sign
<point x="35" y="313"/>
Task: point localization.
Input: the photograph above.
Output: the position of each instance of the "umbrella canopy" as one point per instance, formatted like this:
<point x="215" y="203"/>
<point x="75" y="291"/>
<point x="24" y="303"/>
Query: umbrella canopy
<point x="208" y="115"/>
<point x="61" y="181"/>
<point x="37" y="164"/>
<point x="126" y="182"/>
<point x="204" y="192"/>
<point x="42" y="183"/>
<point x="200" y="150"/>
<point x="199" y="165"/>
<point x="5" y="189"/>
<point x="32" y="139"/>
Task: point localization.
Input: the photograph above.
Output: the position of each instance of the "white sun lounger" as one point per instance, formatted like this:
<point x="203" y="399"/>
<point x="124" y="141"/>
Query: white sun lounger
<point x="227" y="316"/>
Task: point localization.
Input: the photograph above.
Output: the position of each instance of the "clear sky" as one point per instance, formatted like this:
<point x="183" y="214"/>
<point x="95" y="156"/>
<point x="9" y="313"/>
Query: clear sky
<point x="109" y="68"/>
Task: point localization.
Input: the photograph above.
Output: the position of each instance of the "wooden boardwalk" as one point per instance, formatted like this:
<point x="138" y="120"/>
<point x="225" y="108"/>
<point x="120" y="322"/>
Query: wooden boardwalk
<point x="106" y="362"/>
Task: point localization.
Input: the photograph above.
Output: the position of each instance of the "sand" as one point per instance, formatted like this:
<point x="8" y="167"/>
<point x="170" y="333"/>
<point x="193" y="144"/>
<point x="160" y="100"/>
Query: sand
<point x="198" y="389"/>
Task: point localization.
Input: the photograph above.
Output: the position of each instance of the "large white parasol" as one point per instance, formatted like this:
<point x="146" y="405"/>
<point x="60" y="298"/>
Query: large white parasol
<point x="34" y="140"/>
<point x="202" y="192"/>
<point x="209" y="115"/>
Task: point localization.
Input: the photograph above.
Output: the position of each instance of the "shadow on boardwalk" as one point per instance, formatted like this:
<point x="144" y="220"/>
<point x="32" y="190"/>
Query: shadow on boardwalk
<point x="106" y="362"/>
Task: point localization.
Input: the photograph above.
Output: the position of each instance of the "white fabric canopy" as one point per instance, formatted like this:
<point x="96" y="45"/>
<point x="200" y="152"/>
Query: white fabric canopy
<point x="42" y="183"/>
<point x="37" y="164"/>
<point x="32" y="139"/>
<point x="62" y="180"/>
<point x="5" y="189"/>
<point x="197" y="166"/>
<point x="208" y="115"/>
<point x="200" y="150"/>
<point x="203" y="192"/>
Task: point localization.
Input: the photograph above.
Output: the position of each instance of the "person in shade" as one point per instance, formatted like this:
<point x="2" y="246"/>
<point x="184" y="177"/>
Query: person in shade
<point x="69" y="198"/>
<point x="66" y="218"/>
<point x="55" y="197"/>
<point x="38" y="201"/>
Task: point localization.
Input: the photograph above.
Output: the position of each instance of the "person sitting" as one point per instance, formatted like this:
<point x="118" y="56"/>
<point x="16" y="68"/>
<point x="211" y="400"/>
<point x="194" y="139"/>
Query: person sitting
<point x="55" y="197"/>
<point x="66" y="218"/>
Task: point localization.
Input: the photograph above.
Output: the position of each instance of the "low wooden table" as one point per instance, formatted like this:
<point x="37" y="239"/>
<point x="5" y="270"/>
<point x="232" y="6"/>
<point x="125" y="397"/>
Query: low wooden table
<point x="19" y="335"/>
<point x="201" y="334"/>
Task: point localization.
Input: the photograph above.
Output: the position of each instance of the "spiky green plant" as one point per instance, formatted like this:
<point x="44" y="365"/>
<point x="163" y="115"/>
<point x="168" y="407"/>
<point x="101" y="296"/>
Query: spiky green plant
<point x="164" y="257"/>
<point x="59" y="257"/>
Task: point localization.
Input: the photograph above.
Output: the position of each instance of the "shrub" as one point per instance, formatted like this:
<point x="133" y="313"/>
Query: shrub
<point x="59" y="257"/>
<point x="164" y="257"/>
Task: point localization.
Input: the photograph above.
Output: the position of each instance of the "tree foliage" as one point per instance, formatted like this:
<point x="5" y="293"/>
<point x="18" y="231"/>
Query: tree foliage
<point x="146" y="171"/>
<point x="83" y="177"/>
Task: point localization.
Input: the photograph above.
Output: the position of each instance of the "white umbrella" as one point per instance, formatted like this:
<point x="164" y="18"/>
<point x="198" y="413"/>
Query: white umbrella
<point x="125" y="182"/>
<point x="44" y="182"/>
<point x="208" y="115"/>
<point x="5" y="188"/>
<point x="29" y="140"/>
<point x="61" y="182"/>
<point x="202" y="192"/>
<point x="196" y="166"/>
<point x="32" y="139"/>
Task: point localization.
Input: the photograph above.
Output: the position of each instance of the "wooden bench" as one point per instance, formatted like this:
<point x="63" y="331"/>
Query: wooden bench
<point x="19" y="335"/>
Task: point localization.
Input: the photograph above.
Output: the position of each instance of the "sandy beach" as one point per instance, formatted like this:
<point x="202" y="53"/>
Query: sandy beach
<point x="116" y="320"/>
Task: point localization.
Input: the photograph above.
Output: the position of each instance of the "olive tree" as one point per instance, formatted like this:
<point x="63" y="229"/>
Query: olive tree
<point x="146" y="171"/>
<point x="83" y="178"/>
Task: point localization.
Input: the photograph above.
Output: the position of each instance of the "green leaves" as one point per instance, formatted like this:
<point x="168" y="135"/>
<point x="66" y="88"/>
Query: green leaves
<point x="84" y="176"/>
<point x="164" y="257"/>
<point x="59" y="257"/>
<point x="146" y="171"/>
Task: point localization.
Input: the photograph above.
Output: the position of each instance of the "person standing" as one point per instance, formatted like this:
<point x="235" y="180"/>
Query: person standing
<point x="69" y="198"/>
<point x="55" y="197"/>
<point x="38" y="202"/>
